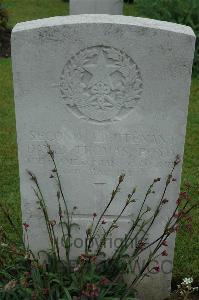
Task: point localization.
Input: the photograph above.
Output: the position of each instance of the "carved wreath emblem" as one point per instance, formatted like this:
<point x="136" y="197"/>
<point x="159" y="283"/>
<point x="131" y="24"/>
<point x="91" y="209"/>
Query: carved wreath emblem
<point x="101" y="83"/>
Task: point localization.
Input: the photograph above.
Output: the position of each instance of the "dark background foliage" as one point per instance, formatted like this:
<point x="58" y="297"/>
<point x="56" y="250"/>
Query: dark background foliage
<point x="184" y="12"/>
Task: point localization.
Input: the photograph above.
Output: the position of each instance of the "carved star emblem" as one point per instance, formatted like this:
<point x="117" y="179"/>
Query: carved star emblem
<point x="101" y="71"/>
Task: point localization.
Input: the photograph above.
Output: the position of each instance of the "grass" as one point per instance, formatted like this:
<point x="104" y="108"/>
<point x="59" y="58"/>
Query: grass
<point x="9" y="178"/>
<point x="26" y="10"/>
<point x="187" y="247"/>
<point x="186" y="261"/>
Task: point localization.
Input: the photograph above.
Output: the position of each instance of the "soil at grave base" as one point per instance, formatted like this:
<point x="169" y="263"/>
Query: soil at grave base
<point x="191" y="297"/>
<point x="5" y="47"/>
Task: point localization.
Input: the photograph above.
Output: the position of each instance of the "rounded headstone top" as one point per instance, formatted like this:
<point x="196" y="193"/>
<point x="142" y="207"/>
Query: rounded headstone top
<point x="103" y="19"/>
<point x="112" y="7"/>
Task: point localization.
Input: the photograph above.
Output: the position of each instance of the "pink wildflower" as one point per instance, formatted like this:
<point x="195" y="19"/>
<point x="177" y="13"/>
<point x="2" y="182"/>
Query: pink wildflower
<point x="157" y="268"/>
<point x="164" y="243"/>
<point x="164" y="253"/>
<point x="26" y="226"/>
<point x="104" y="281"/>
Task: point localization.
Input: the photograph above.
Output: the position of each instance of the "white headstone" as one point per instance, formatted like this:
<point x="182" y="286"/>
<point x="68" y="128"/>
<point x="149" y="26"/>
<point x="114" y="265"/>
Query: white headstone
<point x="110" y="95"/>
<point x="112" y="7"/>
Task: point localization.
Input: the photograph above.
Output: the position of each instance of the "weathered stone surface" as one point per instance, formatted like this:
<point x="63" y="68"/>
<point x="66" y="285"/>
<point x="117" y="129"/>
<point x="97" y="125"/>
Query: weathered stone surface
<point x="112" y="7"/>
<point x="110" y="95"/>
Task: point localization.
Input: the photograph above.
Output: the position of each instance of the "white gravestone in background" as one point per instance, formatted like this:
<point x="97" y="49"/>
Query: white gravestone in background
<point x="110" y="95"/>
<point x="112" y="7"/>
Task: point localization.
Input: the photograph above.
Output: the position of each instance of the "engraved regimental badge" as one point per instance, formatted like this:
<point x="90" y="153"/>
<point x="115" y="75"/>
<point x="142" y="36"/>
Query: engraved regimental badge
<point x="101" y="84"/>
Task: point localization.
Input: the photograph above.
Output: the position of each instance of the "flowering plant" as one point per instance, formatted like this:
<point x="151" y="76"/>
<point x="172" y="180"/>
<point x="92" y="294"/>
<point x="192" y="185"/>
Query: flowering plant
<point x="185" y="289"/>
<point x="93" y="275"/>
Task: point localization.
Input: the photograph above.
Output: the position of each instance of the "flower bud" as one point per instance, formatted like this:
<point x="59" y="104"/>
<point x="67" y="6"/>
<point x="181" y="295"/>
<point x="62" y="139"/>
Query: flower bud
<point x="121" y="178"/>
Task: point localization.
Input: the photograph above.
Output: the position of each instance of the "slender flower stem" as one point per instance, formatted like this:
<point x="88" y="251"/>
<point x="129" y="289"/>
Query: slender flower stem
<point x="43" y="207"/>
<point x="122" y="247"/>
<point x="56" y="242"/>
<point x="111" y="227"/>
<point x="114" y="193"/>
<point x="45" y="213"/>
<point x="8" y="217"/>
<point x="157" y="211"/>
<point x="63" y="233"/>
<point x="51" y="153"/>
